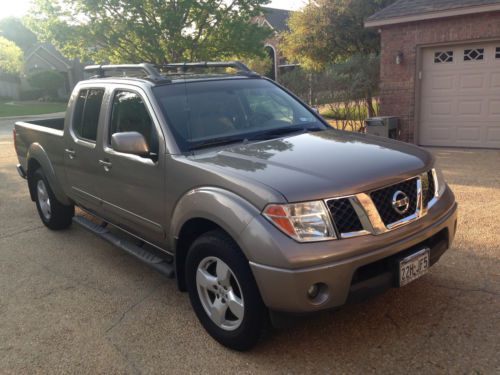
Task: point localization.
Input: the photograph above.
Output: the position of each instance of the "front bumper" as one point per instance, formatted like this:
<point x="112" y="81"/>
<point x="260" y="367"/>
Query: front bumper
<point x="21" y="171"/>
<point x="365" y="272"/>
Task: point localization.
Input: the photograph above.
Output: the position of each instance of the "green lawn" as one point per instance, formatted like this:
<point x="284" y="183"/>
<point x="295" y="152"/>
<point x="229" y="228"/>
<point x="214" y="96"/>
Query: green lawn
<point x="13" y="108"/>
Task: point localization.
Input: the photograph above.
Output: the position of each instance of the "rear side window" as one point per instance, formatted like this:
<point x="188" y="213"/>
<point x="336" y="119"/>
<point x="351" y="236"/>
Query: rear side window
<point x="129" y="114"/>
<point x="86" y="113"/>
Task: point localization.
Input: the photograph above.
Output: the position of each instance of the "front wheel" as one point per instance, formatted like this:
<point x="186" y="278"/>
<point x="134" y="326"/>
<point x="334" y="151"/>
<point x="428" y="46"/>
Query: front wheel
<point x="53" y="213"/>
<point x="223" y="292"/>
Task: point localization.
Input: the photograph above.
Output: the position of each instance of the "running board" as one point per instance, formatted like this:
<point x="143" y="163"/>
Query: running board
<point x="149" y="257"/>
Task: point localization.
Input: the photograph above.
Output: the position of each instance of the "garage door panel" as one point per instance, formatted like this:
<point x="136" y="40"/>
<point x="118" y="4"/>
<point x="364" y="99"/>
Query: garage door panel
<point x="442" y="82"/>
<point x="438" y="134"/>
<point x="471" y="134"/>
<point x="472" y="81"/>
<point x="470" y="107"/>
<point x="493" y="137"/>
<point x="494" y="108"/>
<point x="460" y="97"/>
<point x="441" y="108"/>
<point x="495" y="80"/>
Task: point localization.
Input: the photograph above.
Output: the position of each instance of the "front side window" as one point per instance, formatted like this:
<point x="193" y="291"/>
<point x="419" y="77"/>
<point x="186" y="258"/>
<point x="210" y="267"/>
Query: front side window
<point x="129" y="113"/>
<point x="204" y="112"/>
<point x="86" y="113"/>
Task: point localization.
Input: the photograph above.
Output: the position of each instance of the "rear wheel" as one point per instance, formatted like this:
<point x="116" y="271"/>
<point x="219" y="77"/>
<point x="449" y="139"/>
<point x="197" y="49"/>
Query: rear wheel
<point x="53" y="213"/>
<point x="223" y="292"/>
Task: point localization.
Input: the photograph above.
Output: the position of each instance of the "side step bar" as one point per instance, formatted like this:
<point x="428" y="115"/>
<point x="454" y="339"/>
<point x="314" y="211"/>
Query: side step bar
<point x="149" y="257"/>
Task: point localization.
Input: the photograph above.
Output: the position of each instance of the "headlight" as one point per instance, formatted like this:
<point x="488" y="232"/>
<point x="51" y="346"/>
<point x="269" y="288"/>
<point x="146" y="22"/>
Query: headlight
<point x="304" y="222"/>
<point x="439" y="182"/>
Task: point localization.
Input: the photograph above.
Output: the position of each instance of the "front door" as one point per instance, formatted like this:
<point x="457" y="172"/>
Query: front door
<point x="132" y="186"/>
<point x="80" y="152"/>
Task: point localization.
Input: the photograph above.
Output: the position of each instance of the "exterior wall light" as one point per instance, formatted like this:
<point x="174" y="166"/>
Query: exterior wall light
<point x="399" y="58"/>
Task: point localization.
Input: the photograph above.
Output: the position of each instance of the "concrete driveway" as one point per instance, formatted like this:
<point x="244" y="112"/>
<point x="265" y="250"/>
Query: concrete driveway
<point x="71" y="303"/>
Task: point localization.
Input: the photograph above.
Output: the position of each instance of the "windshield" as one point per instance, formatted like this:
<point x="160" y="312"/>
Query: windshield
<point x="202" y="114"/>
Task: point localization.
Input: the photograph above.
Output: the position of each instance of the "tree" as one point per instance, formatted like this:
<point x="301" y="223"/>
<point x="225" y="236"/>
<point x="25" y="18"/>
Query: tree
<point x="13" y="29"/>
<point x="47" y="81"/>
<point x="11" y="57"/>
<point x="119" y="31"/>
<point x="330" y="31"/>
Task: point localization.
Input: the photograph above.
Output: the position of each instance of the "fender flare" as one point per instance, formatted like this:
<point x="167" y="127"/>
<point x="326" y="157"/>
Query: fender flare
<point x="226" y="209"/>
<point x="36" y="152"/>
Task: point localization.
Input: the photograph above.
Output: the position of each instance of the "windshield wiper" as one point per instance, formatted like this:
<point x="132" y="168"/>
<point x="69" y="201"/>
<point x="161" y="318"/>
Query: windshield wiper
<point x="215" y="142"/>
<point x="281" y="131"/>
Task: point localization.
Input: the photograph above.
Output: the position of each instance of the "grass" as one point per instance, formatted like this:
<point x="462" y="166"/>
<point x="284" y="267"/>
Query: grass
<point x="25" y="108"/>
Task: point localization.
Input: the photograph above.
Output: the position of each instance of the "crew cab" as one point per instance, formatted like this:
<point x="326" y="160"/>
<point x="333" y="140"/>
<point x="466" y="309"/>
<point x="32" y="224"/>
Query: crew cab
<point x="231" y="184"/>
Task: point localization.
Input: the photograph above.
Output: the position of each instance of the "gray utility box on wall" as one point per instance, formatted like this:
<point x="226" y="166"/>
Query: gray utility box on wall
<point x="384" y="126"/>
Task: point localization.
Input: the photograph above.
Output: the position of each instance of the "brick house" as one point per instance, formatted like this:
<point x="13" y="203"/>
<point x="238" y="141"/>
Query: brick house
<point x="277" y="21"/>
<point x="44" y="56"/>
<point x="440" y="70"/>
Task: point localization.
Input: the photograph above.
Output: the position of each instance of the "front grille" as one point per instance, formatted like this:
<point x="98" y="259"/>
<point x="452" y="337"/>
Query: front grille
<point x="344" y="216"/>
<point x="382" y="199"/>
<point x="428" y="188"/>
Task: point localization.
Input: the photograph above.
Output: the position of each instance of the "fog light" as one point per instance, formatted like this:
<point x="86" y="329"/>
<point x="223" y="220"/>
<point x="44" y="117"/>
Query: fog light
<point x="313" y="291"/>
<point x="318" y="293"/>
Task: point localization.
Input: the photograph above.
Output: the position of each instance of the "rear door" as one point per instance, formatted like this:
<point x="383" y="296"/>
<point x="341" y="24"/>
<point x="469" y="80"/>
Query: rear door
<point x="81" y="155"/>
<point x="133" y="187"/>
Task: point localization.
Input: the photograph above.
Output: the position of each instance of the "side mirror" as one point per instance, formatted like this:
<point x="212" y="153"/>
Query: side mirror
<point x="130" y="143"/>
<point x="315" y="110"/>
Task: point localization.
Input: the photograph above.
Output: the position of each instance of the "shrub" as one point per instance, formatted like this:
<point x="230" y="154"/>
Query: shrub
<point x="47" y="81"/>
<point x="34" y="94"/>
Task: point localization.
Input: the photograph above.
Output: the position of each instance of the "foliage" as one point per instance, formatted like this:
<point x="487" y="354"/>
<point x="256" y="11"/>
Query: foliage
<point x="47" y="81"/>
<point x="150" y="30"/>
<point x="330" y="31"/>
<point x="11" y="57"/>
<point x="13" y="29"/>
<point x="345" y="89"/>
<point x="261" y="65"/>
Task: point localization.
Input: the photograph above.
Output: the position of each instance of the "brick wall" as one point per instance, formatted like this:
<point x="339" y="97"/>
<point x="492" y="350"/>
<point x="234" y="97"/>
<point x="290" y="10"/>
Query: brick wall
<point x="397" y="86"/>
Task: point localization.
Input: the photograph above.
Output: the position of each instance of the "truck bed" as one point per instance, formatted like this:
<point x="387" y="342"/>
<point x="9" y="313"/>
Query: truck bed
<point x="53" y="123"/>
<point x="47" y="134"/>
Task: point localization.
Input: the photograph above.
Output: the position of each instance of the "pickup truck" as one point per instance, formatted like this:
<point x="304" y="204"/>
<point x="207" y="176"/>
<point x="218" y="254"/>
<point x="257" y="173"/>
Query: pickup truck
<point x="231" y="184"/>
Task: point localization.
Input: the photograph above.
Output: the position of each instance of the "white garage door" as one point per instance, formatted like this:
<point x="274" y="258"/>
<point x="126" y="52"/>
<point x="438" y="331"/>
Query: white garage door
<point x="460" y="96"/>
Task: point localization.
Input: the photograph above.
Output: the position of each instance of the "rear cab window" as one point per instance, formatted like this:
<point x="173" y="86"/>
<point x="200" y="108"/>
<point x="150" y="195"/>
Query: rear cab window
<point x="86" y="114"/>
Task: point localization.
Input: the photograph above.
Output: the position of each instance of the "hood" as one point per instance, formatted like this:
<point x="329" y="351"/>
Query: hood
<point x="320" y="165"/>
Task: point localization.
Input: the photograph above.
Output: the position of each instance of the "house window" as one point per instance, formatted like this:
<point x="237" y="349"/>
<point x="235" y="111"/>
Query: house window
<point x="497" y="53"/>
<point x="443" y="57"/>
<point x="474" y="54"/>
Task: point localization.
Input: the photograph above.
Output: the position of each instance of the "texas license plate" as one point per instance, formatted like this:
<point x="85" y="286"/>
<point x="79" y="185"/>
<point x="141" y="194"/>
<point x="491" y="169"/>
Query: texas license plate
<point x="413" y="266"/>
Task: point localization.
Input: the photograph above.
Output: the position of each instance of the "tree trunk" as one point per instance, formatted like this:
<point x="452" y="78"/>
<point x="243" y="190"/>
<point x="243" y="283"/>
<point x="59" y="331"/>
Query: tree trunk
<point x="369" y="105"/>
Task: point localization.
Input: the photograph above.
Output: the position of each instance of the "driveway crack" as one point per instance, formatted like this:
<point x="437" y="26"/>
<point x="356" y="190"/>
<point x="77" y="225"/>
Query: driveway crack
<point x="131" y="307"/>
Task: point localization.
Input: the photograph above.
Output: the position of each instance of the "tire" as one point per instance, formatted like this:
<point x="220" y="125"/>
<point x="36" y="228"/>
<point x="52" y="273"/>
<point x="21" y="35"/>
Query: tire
<point x="53" y="213"/>
<point x="215" y="260"/>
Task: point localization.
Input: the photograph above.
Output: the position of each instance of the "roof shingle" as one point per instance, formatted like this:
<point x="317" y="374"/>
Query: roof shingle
<point x="402" y="8"/>
<point x="277" y="18"/>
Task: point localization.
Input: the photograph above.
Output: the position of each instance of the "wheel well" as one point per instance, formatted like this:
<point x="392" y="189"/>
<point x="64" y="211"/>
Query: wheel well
<point x="33" y="166"/>
<point x="190" y="231"/>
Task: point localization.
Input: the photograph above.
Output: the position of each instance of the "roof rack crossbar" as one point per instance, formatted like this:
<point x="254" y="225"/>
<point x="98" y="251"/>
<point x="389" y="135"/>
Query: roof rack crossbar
<point x="149" y="70"/>
<point x="208" y="64"/>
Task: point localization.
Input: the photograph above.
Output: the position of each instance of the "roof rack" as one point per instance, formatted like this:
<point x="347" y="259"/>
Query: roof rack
<point x="208" y="64"/>
<point x="152" y="72"/>
<point x="144" y="70"/>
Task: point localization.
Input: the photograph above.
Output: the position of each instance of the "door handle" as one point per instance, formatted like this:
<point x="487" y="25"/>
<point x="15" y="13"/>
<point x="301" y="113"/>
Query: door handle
<point x="106" y="164"/>
<point x="71" y="153"/>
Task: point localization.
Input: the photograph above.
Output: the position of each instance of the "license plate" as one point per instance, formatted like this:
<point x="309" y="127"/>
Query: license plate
<point x="413" y="266"/>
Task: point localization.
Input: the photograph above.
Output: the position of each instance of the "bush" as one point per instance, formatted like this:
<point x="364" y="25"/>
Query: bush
<point x="47" y="81"/>
<point x="34" y="94"/>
